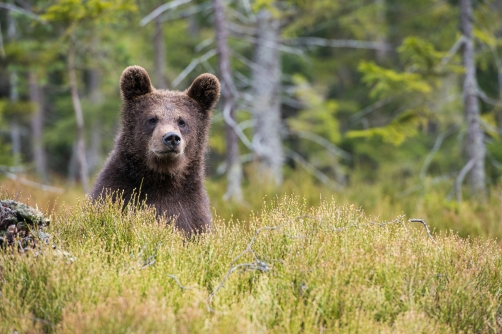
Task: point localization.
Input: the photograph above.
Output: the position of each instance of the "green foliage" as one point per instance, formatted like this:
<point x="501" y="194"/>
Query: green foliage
<point x="318" y="114"/>
<point x="415" y="89"/>
<point x="18" y="109"/>
<point x="71" y="12"/>
<point x="402" y="127"/>
<point x="386" y="83"/>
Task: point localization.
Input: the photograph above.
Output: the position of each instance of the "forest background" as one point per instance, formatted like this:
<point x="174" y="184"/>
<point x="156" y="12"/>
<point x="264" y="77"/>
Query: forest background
<point x="395" y="106"/>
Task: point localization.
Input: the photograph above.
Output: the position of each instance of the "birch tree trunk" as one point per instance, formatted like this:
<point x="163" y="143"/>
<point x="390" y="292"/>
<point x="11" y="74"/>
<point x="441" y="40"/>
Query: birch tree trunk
<point x="15" y="128"/>
<point x="94" y="156"/>
<point x="475" y="145"/>
<point x="234" y="168"/>
<point x="266" y="81"/>
<point x="160" y="54"/>
<point x="79" y="117"/>
<point x="37" y="125"/>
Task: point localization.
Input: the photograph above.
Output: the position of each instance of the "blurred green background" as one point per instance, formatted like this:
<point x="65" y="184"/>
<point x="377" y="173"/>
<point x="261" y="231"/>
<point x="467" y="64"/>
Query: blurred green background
<point x="369" y="97"/>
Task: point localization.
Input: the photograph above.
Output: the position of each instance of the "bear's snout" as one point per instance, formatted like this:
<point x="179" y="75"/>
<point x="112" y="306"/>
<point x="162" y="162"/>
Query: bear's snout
<point x="171" y="140"/>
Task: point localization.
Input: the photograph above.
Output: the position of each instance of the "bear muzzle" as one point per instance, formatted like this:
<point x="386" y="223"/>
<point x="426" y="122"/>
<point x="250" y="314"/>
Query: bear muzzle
<point x="172" y="140"/>
<point x="171" y="147"/>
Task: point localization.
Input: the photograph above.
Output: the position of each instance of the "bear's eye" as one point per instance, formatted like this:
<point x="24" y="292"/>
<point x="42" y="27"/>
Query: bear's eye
<point x="152" y="120"/>
<point x="181" y="123"/>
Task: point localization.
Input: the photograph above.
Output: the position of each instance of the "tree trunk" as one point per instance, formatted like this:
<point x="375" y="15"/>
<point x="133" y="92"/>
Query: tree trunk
<point x="15" y="136"/>
<point x="94" y="155"/>
<point x="234" y="168"/>
<point x="475" y="145"/>
<point x="160" y="54"/>
<point x="37" y="126"/>
<point x="79" y="117"/>
<point x="73" y="165"/>
<point x="267" y="103"/>
<point x="381" y="53"/>
<point x="15" y="129"/>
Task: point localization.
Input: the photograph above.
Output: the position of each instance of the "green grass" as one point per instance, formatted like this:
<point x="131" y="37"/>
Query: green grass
<point x="327" y="268"/>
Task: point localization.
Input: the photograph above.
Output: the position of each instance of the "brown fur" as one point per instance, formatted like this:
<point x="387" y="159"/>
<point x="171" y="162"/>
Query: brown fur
<point x="171" y="181"/>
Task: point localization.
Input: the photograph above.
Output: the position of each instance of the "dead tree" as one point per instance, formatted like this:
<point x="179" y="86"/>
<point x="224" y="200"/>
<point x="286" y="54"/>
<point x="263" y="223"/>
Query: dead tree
<point x="475" y="145"/>
<point x="82" y="159"/>
<point x="94" y="153"/>
<point x="15" y="128"/>
<point x="37" y="125"/>
<point x="266" y="82"/>
<point x="234" y="168"/>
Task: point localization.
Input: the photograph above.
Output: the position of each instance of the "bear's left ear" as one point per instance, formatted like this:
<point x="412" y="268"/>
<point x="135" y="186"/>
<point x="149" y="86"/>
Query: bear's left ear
<point x="205" y="90"/>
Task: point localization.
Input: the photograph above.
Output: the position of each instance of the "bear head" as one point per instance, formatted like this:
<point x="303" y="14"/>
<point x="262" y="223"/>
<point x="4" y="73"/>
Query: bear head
<point x="166" y="129"/>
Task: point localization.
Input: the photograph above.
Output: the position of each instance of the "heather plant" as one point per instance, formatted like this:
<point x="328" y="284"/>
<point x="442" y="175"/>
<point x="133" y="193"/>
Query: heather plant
<point x="291" y="268"/>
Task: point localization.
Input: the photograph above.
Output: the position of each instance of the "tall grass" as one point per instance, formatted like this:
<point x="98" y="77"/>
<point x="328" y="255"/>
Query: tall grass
<point x="383" y="199"/>
<point x="326" y="268"/>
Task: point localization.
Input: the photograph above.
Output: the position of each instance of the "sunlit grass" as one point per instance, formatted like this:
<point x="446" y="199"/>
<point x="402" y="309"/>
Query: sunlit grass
<point x="383" y="199"/>
<point x="323" y="268"/>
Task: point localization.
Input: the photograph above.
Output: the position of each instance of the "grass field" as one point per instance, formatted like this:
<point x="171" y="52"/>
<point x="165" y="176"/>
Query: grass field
<point x="289" y="268"/>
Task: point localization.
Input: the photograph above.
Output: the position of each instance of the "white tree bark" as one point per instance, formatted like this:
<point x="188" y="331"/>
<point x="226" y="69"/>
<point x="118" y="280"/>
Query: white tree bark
<point x="82" y="159"/>
<point x="234" y="168"/>
<point x="475" y="145"/>
<point x="15" y="128"/>
<point x="37" y="127"/>
<point x="266" y="81"/>
<point x="95" y="154"/>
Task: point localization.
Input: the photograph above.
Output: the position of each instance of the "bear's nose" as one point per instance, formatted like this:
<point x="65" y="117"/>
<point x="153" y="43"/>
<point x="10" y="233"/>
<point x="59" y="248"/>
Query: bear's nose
<point x="171" y="139"/>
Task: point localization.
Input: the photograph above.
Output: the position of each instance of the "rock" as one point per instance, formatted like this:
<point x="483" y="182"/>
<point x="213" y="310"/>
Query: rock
<point x="22" y="225"/>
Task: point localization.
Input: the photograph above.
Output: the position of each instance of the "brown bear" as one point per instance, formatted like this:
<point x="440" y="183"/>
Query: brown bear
<point x="160" y="149"/>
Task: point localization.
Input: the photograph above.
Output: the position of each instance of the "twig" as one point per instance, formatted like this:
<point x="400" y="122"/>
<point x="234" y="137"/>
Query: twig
<point x="32" y="184"/>
<point x="493" y="161"/>
<point x="242" y="159"/>
<point x="249" y="11"/>
<point x="20" y="10"/>
<point x="369" y="109"/>
<point x="415" y="220"/>
<point x="272" y="45"/>
<point x="453" y="50"/>
<point x="237" y="14"/>
<point x="481" y="94"/>
<point x="203" y="44"/>
<point x="159" y="10"/>
<point x="257" y="265"/>
<point x="461" y="176"/>
<point x="265" y="267"/>
<point x="237" y="129"/>
<point x="182" y="287"/>
<point x="186" y="13"/>
<point x="192" y="65"/>
<point x="339" y="43"/>
<point x="312" y="169"/>
<point x="417" y="187"/>
<point x="435" y="148"/>
<point x="323" y="142"/>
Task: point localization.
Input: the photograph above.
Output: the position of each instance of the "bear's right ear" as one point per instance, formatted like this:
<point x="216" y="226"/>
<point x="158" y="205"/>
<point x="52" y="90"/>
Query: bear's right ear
<point x="135" y="82"/>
